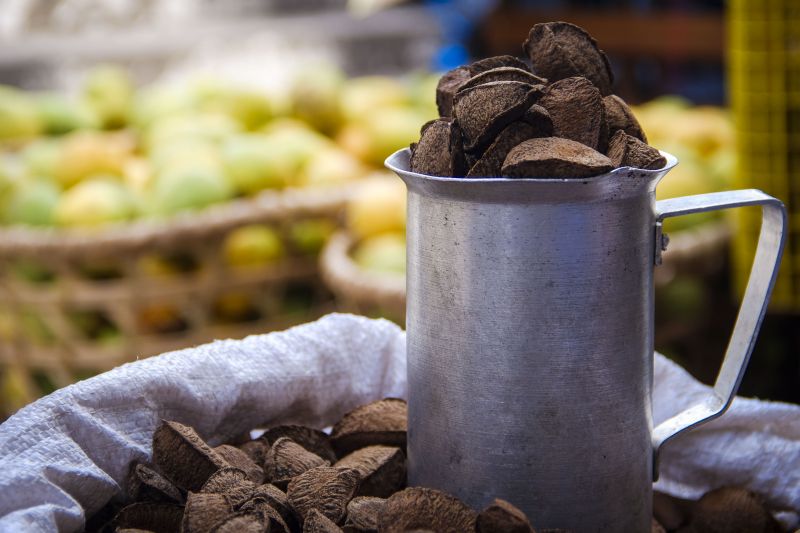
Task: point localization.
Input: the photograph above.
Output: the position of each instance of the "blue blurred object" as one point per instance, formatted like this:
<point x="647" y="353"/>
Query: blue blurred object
<point x="457" y="19"/>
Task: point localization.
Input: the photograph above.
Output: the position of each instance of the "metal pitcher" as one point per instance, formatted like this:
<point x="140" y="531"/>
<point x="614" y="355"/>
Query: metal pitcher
<point x="530" y="339"/>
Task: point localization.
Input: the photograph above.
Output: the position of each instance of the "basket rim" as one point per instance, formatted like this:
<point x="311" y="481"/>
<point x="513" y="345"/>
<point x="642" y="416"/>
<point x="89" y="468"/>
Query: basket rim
<point x="218" y="218"/>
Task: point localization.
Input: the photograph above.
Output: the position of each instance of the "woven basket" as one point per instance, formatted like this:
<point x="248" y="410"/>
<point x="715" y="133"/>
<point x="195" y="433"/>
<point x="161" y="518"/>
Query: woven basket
<point x="43" y="325"/>
<point x="699" y="251"/>
<point x="356" y="290"/>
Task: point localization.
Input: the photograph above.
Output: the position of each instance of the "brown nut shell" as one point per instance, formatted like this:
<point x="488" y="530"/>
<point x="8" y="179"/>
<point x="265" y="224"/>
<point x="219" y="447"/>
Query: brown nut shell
<point x="145" y="484"/>
<point x="554" y="157"/>
<point x="576" y="110"/>
<point x="203" y="511"/>
<point x="239" y="459"/>
<point x="311" y="439"/>
<point x="559" y="50"/>
<point x="316" y="522"/>
<point x="324" y="488"/>
<point x="286" y="459"/>
<point x="627" y="151"/>
<point x="183" y="457"/>
<point x="363" y="514"/>
<point x="423" y="508"/>
<point x="491" y="163"/>
<point x="502" y="517"/>
<point x="382" y="469"/>
<point x="382" y="422"/>
<point x="483" y="111"/>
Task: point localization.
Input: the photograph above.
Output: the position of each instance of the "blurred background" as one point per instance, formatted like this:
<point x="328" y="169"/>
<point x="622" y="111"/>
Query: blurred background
<point x="177" y="172"/>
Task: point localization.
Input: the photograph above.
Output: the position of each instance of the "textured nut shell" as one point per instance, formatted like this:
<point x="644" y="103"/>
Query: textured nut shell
<point x="620" y="117"/>
<point x="423" y="508"/>
<point x="627" y="151"/>
<point x="554" y="157"/>
<point x="559" y="50"/>
<point x="287" y="459"/>
<point x="183" y="457"/>
<point x="503" y="74"/>
<point x="576" y="110"/>
<point x="325" y="488"/>
<point x="145" y="484"/>
<point x="316" y="522"/>
<point x="731" y="509"/>
<point x="239" y="459"/>
<point x="483" y="111"/>
<point x="203" y="511"/>
<point x="491" y="163"/>
<point x="268" y="495"/>
<point x="449" y="84"/>
<point x="256" y="450"/>
<point x="489" y="63"/>
<point x="382" y="422"/>
<point x="439" y="151"/>
<point x="150" y="516"/>
<point x="502" y="517"/>
<point x="363" y="513"/>
<point x="382" y="469"/>
<point x="311" y="439"/>
<point x="243" y="523"/>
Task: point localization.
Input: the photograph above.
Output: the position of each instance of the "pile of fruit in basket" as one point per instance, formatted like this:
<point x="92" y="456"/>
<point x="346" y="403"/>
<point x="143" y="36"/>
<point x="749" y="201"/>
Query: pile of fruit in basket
<point x="296" y="478"/>
<point x="115" y="153"/>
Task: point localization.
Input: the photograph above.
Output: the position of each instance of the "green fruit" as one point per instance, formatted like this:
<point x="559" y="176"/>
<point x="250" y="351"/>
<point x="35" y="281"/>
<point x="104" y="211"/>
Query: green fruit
<point x="251" y="109"/>
<point x="158" y="103"/>
<point x="332" y="166"/>
<point x="363" y="96"/>
<point x="41" y="157"/>
<point x="94" y="202"/>
<point x="254" y="245"/>
<point x="213" y="127"/>
<point x="423" y="94"/>
<point x="309" y="236"/>
<point x="59" y="115"/>
<point x="382" y="254"/>
<point x="109" y="92"/>
<point x="32" y="202"/>
<point x="19" y="116"/>
<point x="315" y="97"/>
<point x="188" y="188"/>
<point x="194" y="152"/>
<point x="253" y="163"/>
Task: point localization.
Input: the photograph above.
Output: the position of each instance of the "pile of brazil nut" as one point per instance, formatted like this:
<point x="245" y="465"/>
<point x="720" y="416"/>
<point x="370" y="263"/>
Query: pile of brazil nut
<point x="295" y="479"/>
<point x="555" y="118"/>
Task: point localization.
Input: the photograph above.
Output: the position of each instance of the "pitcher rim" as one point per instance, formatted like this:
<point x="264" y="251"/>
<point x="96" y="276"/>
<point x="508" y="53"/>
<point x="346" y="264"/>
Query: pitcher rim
<point x="394" y="165"/>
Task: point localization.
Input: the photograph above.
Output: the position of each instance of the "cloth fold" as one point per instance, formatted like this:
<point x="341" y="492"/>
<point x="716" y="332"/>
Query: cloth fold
<point x="63" y="457"/>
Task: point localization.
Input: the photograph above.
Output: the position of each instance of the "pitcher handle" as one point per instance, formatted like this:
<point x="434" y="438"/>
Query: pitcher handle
<point x="751" y="313"/>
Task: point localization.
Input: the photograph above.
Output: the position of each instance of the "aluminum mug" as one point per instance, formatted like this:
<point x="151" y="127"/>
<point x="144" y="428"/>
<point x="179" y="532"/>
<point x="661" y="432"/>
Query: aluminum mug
<point x="530" y="339"/>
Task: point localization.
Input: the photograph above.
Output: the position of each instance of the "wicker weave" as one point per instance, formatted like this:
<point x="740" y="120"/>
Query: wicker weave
<point x="358" y="291"/>
<point x="65" y="354"/>
<point x="699" y="251"/>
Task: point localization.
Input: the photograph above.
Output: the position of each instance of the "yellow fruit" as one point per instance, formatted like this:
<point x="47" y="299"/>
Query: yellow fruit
<point x="94" y="202"/>
<point x="423" y="94"/>
<point x="85" y="154"/>
<point x="109" y="91"/>
<point x="254" y="245"/>
<point x="388" y="130"/>
<point x="363" y="96"/>
<point x="185" y="152"/>
<point x="19" y="116"/>
<point x="188" y="188"/>
<point x="379" y="206"/>
<point x="687" y="178"/>
<point x="332" y="166"/>
<point x="137" y="175"/>
<point x="253" y="163"/>
<point x="382" y="254"/>
<point x="250" y="108"/>
<point x="316" y="97"/>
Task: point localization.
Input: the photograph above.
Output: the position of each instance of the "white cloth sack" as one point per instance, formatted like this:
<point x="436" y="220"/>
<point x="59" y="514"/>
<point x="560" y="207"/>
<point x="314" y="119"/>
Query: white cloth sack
<point x="64" y="456"/>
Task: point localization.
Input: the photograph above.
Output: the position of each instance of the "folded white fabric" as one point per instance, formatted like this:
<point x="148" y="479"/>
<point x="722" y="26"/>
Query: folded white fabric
<point x="64" y="456"/>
